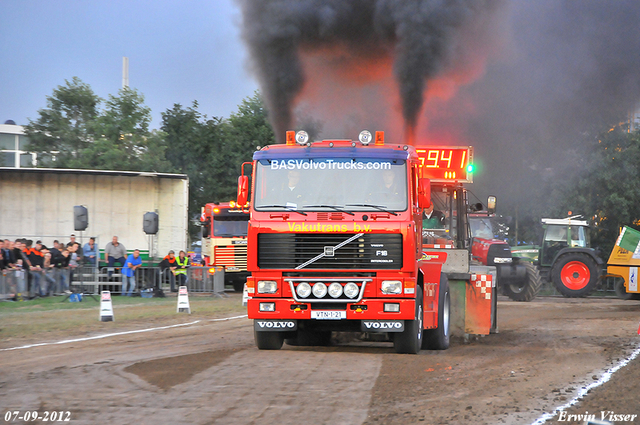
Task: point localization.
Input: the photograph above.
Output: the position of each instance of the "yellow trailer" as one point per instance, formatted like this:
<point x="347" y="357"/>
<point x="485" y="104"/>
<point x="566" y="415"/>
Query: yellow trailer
<point x="624" y="262"/>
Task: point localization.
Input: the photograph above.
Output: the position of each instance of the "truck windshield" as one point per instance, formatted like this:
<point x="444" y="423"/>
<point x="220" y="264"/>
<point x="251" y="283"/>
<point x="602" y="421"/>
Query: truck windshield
<point x="230" y="226"/>
<point x="335" y="184"/>
<point x="481" y="227"/>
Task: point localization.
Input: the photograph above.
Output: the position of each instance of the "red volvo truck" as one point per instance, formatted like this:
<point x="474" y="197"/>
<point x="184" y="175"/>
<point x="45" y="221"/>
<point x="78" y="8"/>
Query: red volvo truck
<point x="335" y="244"/>
<point x="224" y="240"/>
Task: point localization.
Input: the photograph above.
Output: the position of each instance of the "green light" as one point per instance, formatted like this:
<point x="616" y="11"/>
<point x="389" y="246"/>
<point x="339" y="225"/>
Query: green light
<point x="470" y="168"/>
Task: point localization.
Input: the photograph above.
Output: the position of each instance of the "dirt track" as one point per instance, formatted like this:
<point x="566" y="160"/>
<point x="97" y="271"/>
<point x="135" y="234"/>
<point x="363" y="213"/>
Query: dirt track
<point x="210" y="372"/>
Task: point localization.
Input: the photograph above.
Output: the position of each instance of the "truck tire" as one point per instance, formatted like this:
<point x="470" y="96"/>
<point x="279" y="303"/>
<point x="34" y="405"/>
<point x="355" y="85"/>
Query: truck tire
<point x="410" y="341"/>
<point x="621" y="291"/>
<point x="527" y="289"/>
<point x="230" y="279"/>
<point x="438" y="338"/>
<point x="268" y="340"/>
<point x="238" y="285"/>
<point x="575" y="274"/>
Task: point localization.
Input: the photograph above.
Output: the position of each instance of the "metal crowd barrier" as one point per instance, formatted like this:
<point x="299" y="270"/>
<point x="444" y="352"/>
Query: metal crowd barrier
<point x="87" y="279"/>
<point x="12" y="282"/>
<point x="205" y="279"/>
<point x="20" y="284"/>
<point x="197" y="279"/>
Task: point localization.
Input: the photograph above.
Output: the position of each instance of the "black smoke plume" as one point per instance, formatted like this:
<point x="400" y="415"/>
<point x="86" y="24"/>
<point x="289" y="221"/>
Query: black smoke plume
<point x="420" y="36"/>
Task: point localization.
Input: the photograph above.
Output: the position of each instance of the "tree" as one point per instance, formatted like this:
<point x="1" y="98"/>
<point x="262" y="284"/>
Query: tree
<point x="608" y="191"/>
<point x="211" y="150"/>
<point x="246" y="131"/>
<point x="188" y="148"/>
<point x="66" y="125"/>
<point x="123" y="139"/>
<point x="76" y="134"/>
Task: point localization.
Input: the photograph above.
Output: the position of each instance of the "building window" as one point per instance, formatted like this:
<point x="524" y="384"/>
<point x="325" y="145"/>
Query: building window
<point x="23" y="141"/>
<point x="7" y="159"/>
<point x="27" y="160"/>
<point x="7" y="141"/>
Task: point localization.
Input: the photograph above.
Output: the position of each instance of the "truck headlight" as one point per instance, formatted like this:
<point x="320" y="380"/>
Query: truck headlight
<point x="365" y="137"/>
<point x="302" y="137"/>
<point x="319" y="290"/>
<point x="351" y="290"/>
<point x="335" y="290"/>
<point x="303" y="289"/>
<point x="267" y="287"/>
<point x="391" y="287"/>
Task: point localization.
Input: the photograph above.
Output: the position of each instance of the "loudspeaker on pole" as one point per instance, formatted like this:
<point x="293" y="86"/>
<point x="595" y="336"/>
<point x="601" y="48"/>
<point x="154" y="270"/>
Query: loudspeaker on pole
<point x="80" y="217"/>
<point x="150" y="223"/>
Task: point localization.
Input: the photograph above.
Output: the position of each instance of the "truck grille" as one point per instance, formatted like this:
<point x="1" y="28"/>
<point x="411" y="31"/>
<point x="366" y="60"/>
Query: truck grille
<point x="369" y="251"/>
<point x="231" y="256"/>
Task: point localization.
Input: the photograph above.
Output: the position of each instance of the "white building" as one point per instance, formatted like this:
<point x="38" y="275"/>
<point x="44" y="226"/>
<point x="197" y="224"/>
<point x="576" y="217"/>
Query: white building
<point x="37" y="203"/>
<point x="13" y="143"/>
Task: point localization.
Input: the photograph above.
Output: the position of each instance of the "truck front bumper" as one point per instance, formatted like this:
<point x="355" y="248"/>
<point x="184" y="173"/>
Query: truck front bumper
<point x="366" y="309"/>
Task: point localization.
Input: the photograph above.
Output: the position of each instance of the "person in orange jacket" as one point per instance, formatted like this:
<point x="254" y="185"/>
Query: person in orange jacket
<point x="168" y="265"/>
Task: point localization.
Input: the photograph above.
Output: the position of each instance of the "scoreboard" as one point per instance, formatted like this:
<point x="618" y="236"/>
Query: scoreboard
<point x="446" y="163"/>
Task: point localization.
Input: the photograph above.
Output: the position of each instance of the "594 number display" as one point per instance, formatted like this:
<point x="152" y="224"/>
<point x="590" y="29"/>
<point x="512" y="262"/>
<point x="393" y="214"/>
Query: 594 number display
<point x="446" y="163"/>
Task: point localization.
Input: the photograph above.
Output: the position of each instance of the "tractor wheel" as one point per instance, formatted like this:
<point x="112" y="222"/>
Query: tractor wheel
<point x="621" y="291"/>
<point x="410" y="340"/>
<point x="575" y="274"/>
<point x="438" y="338"/>
<point x="527" y="289"/>
<point x="268" y="340"/>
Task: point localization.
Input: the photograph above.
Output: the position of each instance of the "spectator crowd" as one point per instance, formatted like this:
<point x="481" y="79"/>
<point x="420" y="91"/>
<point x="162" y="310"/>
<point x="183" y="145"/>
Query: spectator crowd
<point x="48" y="271"/>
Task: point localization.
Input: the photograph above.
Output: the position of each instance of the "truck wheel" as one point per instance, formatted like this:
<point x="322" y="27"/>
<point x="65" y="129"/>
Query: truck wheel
<point x="621" y="291"/>
<point x="528" y="288"/>
<point x="575" y="274"/>
<point x="268" y="340"/>
<point x="410" y="341"/>
<point x="238" y="285"/>
<point x="438" y="338"/>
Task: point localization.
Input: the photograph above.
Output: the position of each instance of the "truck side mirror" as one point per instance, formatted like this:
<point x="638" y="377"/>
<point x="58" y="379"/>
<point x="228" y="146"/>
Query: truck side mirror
<point x="243" y="190"/>
<point x="424" y="193"/>
<point x="491" y="204"/>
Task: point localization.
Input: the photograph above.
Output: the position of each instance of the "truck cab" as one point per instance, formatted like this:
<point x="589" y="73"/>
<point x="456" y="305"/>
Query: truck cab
<point x="335" y="244"/>
<point x="224" y="240"/>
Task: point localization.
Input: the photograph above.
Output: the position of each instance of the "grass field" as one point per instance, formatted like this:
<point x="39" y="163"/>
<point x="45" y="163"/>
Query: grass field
<point x="53" y="318"/>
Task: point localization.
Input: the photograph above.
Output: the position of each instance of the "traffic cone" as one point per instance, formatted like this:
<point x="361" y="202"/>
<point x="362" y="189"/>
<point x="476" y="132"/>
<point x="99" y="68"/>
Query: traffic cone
<point x="183" y="300"/>
<point x="245" y="295"/>
<point x="106" y="309"/>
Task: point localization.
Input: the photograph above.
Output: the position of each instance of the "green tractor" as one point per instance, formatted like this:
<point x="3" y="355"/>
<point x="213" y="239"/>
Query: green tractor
<point x="565" y="256"/>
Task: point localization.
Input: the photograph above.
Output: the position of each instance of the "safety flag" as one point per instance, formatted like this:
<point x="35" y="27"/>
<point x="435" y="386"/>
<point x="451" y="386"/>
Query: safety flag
<point x="629" y="239"/>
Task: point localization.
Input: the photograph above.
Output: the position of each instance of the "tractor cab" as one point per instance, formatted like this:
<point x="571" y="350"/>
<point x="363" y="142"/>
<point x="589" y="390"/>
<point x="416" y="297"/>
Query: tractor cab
<point x="565" y="256"/>
<point x="560" y="234"/>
